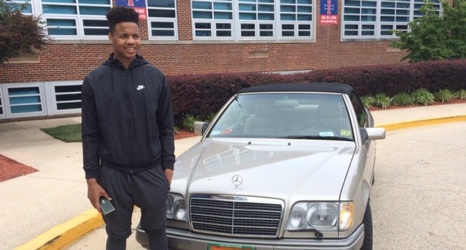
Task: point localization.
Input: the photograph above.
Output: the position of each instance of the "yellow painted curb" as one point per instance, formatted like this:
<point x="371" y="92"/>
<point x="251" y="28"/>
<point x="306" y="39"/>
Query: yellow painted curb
<point x="66" y="233"/>
<point x="433" y="121"/>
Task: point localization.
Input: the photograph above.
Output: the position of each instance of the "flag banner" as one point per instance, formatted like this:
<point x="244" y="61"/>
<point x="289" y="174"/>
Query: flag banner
<point x="329" y="11"/>
<point x="138" y="5"/>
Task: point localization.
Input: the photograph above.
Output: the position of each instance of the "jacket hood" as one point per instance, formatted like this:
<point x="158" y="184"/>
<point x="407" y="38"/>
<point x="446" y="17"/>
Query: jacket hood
<point x="115" y="64"/>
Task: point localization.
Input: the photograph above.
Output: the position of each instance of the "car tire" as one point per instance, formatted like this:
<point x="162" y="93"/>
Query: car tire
<point x="367" y="244"/>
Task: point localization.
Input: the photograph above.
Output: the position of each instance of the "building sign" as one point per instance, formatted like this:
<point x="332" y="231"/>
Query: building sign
<point x="328" y="11"/>
<point x="138" y="5"/>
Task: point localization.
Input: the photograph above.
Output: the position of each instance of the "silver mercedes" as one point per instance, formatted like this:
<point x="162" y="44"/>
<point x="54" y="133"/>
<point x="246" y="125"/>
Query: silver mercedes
<point x="281" y="166"/>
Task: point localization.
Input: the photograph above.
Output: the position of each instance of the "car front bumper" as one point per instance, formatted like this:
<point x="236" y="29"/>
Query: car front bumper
<point x="185" y="240"/>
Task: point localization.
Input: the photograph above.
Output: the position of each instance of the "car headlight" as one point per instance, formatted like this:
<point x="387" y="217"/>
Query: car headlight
<point x="176" y="209"/>
<point x="321" y="216"/>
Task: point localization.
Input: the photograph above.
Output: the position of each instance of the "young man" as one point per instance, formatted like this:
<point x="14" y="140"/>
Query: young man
<point x="128" y="135"/>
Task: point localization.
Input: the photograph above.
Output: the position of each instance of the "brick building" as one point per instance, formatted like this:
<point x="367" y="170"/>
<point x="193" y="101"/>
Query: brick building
<point x="198" y="37"/>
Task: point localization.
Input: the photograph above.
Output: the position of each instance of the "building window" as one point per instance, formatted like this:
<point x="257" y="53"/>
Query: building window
<point x="375" y="19"/>
<point x="252" y="19"/>
<point x="257" y="19"/>
<point x="162" y="19"/>
<point x="66" y="97"/>
<point x="25" y="100"/>
<point x="39" y="99"/>
<point x="296" y="18"/>
<point x="212" y="20"/>
<point x="73" y="19"/>
<point x="23" y="5"/>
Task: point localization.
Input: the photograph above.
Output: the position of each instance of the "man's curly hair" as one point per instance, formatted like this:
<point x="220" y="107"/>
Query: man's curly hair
<point x="121" y="14"/>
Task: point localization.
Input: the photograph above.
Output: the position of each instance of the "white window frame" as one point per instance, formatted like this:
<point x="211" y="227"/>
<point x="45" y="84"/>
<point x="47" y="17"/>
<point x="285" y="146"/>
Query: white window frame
<point x="2" y="103"/>
<point x="22" y="2"/>
<point x="8" y="106"/>
<point x="52" y="101"/>
<point x="236" y="22"/>
<point x="378" y="23"/>
<point x="173" y="20"/>
<point x="77" y="18"/>
<point x="297" y="23"/>
<point x="48" y="99"/>
<point x="213" y="22"/>
<point x="257" y="4"/>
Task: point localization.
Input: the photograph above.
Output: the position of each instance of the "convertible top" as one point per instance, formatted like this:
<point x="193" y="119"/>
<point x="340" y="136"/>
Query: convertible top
<point x="301" y="87"/>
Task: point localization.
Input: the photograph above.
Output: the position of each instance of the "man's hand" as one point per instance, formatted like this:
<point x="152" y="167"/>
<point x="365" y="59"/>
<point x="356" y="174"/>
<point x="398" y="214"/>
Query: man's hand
<point x="94" y="192"/>
<point x="169" y="174"/>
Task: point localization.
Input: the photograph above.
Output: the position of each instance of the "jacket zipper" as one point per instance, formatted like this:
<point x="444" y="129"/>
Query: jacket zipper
<point x="128" y="84"/>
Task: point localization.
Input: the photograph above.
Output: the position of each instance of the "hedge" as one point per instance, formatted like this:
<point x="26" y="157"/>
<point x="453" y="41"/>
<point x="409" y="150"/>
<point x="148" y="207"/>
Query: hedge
<point x="202" y="95"/>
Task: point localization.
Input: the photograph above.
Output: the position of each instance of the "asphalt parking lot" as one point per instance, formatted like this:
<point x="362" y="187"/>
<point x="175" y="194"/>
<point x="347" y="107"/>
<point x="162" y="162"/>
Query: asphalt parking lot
<point x="419" y="197"/>
<point x="418" y="200"/>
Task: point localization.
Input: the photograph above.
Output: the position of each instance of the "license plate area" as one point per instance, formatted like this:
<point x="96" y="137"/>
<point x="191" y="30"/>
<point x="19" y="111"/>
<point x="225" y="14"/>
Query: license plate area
<point x="223" y="246"/>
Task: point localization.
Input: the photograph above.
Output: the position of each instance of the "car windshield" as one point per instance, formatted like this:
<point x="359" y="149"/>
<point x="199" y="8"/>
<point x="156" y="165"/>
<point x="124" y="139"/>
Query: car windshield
<point x="285" y="115"/>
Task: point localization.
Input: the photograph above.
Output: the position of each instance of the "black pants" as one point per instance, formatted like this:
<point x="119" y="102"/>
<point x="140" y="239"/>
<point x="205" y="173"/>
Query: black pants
<point x="146" y="189"/>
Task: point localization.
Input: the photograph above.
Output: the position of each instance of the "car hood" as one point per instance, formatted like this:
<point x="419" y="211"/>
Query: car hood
<point x="278" y="168"/>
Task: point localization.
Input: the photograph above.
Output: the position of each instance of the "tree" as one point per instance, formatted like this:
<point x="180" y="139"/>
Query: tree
<point x="435" y="36"/>
<point x="19" y="34"/>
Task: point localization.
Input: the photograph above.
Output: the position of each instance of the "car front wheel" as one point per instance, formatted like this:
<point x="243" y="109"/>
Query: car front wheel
<point x="367" y="244"/>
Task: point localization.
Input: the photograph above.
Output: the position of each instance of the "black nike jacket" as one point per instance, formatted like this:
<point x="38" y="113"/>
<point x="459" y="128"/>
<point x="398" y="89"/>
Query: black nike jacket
<point x="127" y="118"/>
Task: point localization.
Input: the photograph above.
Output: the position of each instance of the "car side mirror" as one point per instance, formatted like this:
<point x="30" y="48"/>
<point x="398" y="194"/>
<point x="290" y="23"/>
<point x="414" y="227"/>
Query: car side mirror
<point x="200" y="127"/>
<point x="372" y="134"/>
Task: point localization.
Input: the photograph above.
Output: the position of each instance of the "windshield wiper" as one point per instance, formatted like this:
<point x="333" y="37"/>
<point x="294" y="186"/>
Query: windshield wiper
<point x="318" y="137"/>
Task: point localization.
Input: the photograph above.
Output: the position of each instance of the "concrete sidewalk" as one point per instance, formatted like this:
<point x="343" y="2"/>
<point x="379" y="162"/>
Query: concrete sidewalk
<point x="49" y="209"/>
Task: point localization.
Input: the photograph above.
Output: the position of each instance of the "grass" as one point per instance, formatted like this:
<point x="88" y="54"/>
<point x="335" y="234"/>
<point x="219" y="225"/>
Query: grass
<point x="72" y="133"/>
<point x="66" y="133"/>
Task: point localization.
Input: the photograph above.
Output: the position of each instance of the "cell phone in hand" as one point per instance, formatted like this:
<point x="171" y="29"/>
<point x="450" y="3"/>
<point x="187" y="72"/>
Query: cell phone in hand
<point x="106" y="206"/>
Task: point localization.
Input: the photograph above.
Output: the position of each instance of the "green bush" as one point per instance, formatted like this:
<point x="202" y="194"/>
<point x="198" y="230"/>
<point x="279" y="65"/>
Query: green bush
<point x="211" y="116"/>
<point x="188" y="122"/>
<point x="200" y="95"/>
<point x="423" y="96"/>
<point x="445" y="95"/>
<point x="382" y="100"/>
<point x="19" y="34"/>
<point x="368" y="101"/>
<point x="435" y="35"/>
<point x="461" y="94"/>
<point x="403" y="99"/>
